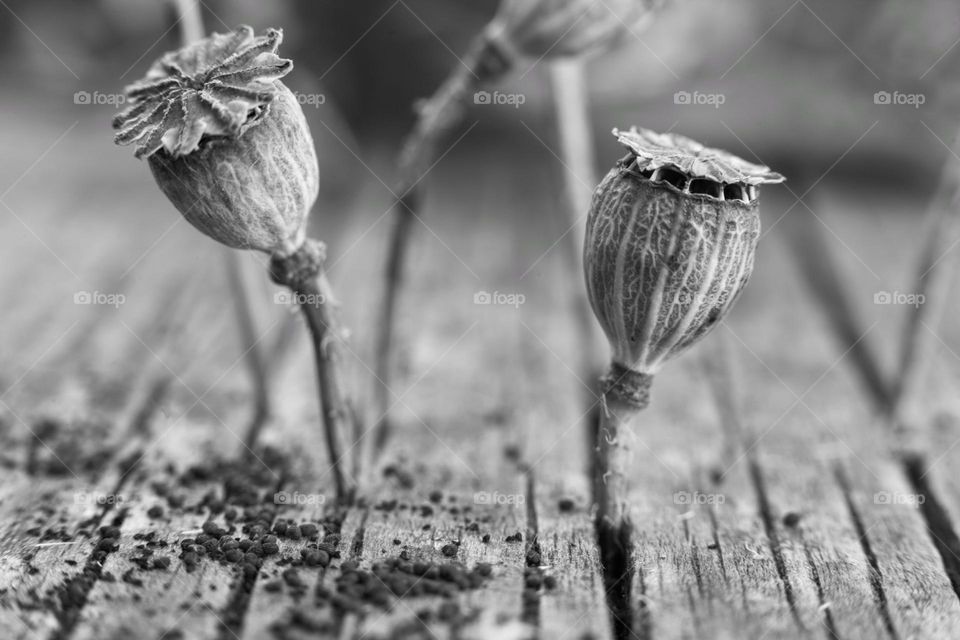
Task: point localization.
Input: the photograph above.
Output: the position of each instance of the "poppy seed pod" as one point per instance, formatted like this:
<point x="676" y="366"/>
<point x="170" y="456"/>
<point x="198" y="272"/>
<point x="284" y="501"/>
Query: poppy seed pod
<point x="555" y="28"/>
<point x="226" y="140"/>
<point x="669" y="247"/>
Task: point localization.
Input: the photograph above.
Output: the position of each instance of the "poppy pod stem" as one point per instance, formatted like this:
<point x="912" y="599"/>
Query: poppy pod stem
<point x="436" y="118"/>
<point x="625" y="394"/>
<point x="302" y="271"/>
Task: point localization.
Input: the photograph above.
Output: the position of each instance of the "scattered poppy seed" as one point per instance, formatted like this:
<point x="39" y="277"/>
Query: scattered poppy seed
<point x="272" y="586"/>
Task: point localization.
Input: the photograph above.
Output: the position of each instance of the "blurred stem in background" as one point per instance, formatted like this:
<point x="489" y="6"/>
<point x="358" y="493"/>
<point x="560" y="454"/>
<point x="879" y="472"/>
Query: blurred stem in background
<point x="436" y="118"/>
<point x="933" y="277"/>
<point x="190" y="21"/>
<point x="572" y="102"/>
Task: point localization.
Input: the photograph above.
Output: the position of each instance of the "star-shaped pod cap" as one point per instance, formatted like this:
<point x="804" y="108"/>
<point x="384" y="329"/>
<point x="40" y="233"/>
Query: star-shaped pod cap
<point x="215" y="87"/>
<point x="656" y="150"/>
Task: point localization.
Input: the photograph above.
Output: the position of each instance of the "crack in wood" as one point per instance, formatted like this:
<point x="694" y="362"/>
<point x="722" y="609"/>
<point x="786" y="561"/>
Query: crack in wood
<point x="530" y="597"/>
<point x="614" y="543"/>
<point x="716" y="546"/>
<point x="73" y="593"/>
<point x="876" y="577"/>
<point x="828" y="622"/>
<point x="233" y="614"/>
<point x="942" y="534"/>
<point x="355" y="553"/>
<point x="773" y="539"/>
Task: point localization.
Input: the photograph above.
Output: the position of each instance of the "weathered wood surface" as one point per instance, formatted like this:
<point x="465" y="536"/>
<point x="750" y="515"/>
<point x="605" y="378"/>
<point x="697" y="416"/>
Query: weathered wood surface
<point x="105" y="410"/>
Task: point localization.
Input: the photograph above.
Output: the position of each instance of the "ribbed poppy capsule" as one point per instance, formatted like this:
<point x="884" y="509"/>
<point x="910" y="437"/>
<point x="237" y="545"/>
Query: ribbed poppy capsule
<point x="226" y="140"/>
<point x="669" y="246"/>
<point x="555" y="28"/>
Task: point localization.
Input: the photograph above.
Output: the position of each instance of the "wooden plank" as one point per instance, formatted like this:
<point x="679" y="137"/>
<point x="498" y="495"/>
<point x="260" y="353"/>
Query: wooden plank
<point x="82" y="489"/>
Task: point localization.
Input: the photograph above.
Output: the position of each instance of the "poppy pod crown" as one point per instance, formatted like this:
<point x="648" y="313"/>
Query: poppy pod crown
<point x="226" y="140"/>
<point x="670" y="243"/>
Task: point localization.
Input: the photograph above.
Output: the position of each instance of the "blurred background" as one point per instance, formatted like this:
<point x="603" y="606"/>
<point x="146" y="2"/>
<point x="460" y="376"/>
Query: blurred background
<point x="797" y="79"/>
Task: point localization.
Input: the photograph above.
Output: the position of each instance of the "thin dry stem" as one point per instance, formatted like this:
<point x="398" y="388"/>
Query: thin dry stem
<point x="437" y="117"/>
<point x="252" y="352"/>
<point x="571" y="101"/>
<point x="625" y="394"/>
<point x="933" y="278"/>
<point x="613" y="462"/>
<point x="303" y="273"/>
<point x="190" y="20"/>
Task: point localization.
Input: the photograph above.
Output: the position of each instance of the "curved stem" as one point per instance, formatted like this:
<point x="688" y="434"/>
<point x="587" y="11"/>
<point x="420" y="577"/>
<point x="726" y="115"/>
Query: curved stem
<point x="437" y="117"/>
<point x="303" y="273"/>
<point x="190" y="20"/>
<point x="252" y="352"/>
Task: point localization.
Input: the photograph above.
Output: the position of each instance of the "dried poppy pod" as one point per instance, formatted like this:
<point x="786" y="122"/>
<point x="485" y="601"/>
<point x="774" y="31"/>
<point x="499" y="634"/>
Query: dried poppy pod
<point x="229" y="145"/>
<point x="670" y="244"/>
<point x="227" y="142"/>
<point x="556" y="28"/>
